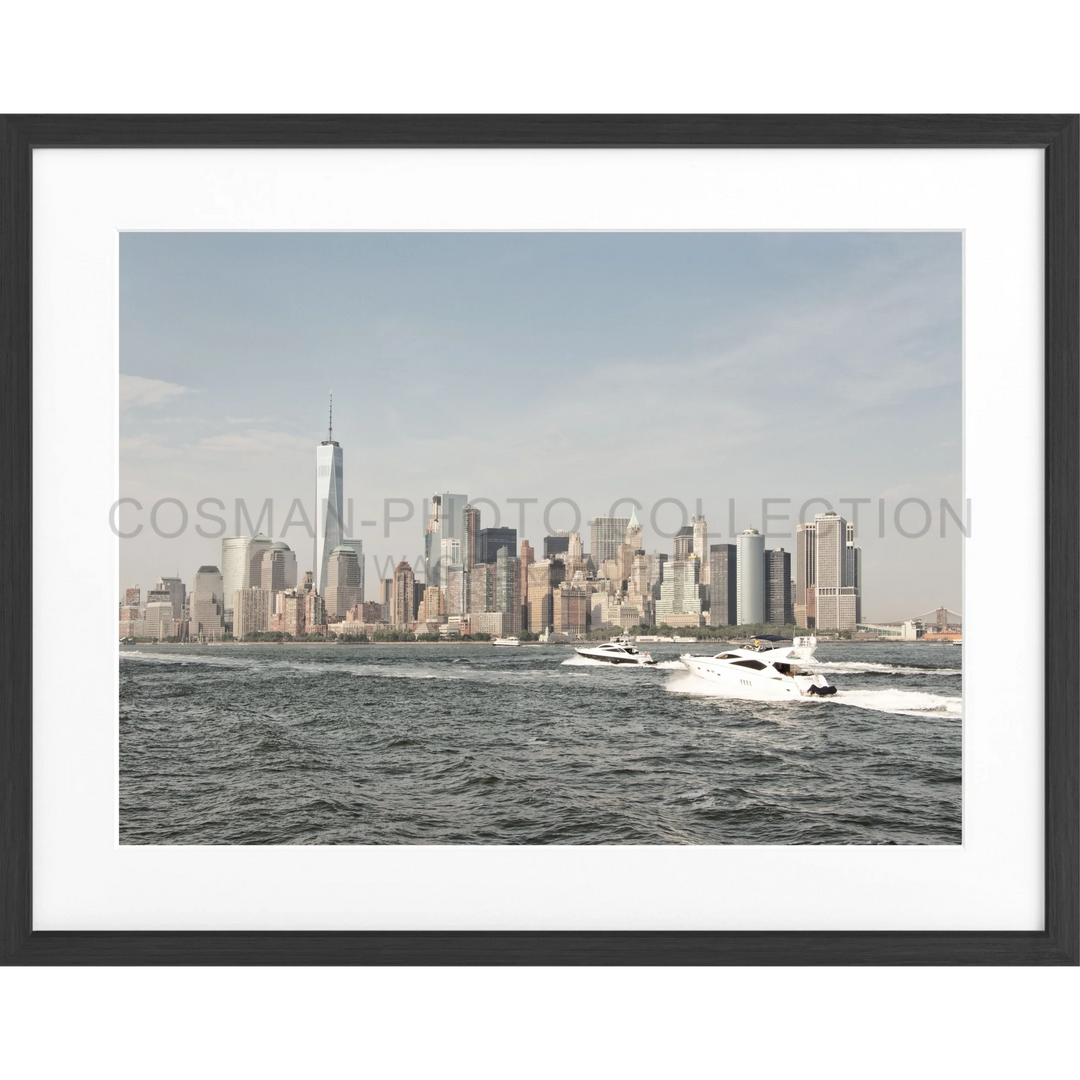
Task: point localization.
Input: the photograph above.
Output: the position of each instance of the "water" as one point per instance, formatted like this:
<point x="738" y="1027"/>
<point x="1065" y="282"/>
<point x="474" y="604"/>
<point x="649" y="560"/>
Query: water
<point x="469" y="744"/>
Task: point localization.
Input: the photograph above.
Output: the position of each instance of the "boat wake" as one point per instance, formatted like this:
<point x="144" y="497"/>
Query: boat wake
<point x="877" y="669"/>
<point x="903" y="702"/>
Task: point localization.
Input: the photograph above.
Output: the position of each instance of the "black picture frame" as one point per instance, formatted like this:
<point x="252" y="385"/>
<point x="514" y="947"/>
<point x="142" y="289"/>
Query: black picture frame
<point x="1058" y="136"/>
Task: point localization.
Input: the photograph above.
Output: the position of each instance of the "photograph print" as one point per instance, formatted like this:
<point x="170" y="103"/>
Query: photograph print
<point x="540" y="538"/>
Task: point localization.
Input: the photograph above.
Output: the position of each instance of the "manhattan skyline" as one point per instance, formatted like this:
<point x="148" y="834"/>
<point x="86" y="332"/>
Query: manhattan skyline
<point x="589" y="367"/>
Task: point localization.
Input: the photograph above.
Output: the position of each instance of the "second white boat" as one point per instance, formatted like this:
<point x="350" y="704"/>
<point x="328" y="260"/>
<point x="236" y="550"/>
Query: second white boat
<point x="620" y="652"/>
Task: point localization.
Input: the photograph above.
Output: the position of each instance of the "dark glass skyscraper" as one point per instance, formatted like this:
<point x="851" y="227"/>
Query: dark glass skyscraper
<point x="493" y="539"/>
<point x="778" y="606"/>
<point x="722" y="584"/>
<point x="555" y="546"/>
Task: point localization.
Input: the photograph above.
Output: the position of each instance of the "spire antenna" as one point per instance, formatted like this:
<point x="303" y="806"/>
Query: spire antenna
<point x="330" y="436"/>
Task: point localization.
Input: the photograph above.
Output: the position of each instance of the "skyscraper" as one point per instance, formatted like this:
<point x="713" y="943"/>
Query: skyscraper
<point x="251" y="611"/>
<point x="446" y="522"/>
<point x="257" y="546"/>
<point x="633" y="532"/>
<point x="750" y="578"/>
<point x="778" y="606"/>
<point x="680" y="596"/>
<point x="175" y="588"/>
<point x="402" y="605"/>
<point x="453" y="587"/>
<point x="539" y="596"/>
<point x="557" y="546"/>
<point x="433" y="533"/>
<point x="803" y="600"/>
<point x="450" y="552"/>
<point x="342" y="583"/>
<point x="835" y="599"/>
<point x="453" y="513"/>
<point x="528" y="557"/>
<point x="235" y="571"/>
<point x="482" y="588"/>
<point x="508" y="589"/>
<point x="855" y="575"/>
<point x="432" y="608"/>
<point x="606" y="534"/>
<point x="157" y="620"/>
<point x="358" y="547"/>
<point x="701" y="546"/>
<point x="571" y="609"/>
<point x="314" y="613"/>
<point x="329" y="502"/>
<point x="723" y="585"/>
<point x="277" y="568"/>
<point x="683" y="542"/>
<point x="492" y="539"/>
<point x="470" y="537"/>
<point x="207" y="610"/>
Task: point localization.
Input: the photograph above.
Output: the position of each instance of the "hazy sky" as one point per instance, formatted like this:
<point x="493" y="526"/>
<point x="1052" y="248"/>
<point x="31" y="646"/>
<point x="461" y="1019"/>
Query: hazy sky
<point x="587" y="366"/>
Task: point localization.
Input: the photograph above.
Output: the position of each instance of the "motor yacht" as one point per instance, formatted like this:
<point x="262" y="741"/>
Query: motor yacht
<point x="766" y="669"/>
<point x="507" y="642"/>
<point x="621" y="652"/>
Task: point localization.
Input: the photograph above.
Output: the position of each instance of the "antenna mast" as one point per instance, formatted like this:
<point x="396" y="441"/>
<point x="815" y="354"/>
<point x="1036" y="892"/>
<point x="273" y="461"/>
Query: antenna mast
<point x="330" y="436"/>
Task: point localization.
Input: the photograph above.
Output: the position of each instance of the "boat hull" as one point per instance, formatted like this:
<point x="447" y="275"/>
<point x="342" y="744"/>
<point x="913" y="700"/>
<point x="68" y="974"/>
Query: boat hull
<point x="615" y="661"/>
<point x="741" y="682"/>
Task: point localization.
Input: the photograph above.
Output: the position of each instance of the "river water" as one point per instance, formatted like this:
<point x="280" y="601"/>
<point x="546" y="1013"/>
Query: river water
<point x="470" y="744"/>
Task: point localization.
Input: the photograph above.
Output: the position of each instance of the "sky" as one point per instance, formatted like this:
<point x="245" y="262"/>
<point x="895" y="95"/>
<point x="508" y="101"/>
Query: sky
<point x="591" y="367"/>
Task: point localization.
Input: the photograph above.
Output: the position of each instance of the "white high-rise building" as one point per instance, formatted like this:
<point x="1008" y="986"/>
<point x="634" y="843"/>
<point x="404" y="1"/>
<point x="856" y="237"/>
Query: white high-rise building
<point x="701" y="545"/>
<point x="235" y="570"/>
<point x="450" y="551"/>
<point x="750" y="578"/>
<point x="445" y="523"/>
<point x="680" y="595"/>
<point x="329" y="503"/>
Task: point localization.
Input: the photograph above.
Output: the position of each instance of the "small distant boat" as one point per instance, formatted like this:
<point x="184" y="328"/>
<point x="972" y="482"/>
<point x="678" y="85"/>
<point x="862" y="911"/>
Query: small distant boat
<point x="507" y="642"/>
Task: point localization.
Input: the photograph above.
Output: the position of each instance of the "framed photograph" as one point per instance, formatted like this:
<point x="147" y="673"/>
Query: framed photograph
<point x="540" y="539"/>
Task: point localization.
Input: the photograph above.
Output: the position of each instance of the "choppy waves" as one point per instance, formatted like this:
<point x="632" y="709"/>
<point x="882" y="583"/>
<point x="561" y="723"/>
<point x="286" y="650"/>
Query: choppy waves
<point x="462" y="744"/>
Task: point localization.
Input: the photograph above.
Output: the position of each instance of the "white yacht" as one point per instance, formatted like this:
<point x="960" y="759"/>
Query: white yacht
<point x="621" y="651"/>
<point x="507" y="642"/>
<point x="767" y="669"/>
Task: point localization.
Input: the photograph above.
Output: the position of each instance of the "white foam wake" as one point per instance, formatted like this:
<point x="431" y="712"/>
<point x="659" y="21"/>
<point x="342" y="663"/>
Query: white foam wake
<point x="904" y="702"/>
<point x="898" y="702"/>
<point x="887" y="669"/>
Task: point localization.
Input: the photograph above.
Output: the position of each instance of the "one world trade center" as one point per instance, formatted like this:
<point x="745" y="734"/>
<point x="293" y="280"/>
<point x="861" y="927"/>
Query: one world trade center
<point x="329" y="506"/>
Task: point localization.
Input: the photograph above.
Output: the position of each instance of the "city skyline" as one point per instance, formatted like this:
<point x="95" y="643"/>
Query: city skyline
<point x="595" y="400"/>
<point x="616" y="584"/>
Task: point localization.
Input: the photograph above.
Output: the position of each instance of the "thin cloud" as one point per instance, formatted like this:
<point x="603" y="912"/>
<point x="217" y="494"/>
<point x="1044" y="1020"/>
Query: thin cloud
<point x="136" y="392"/>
